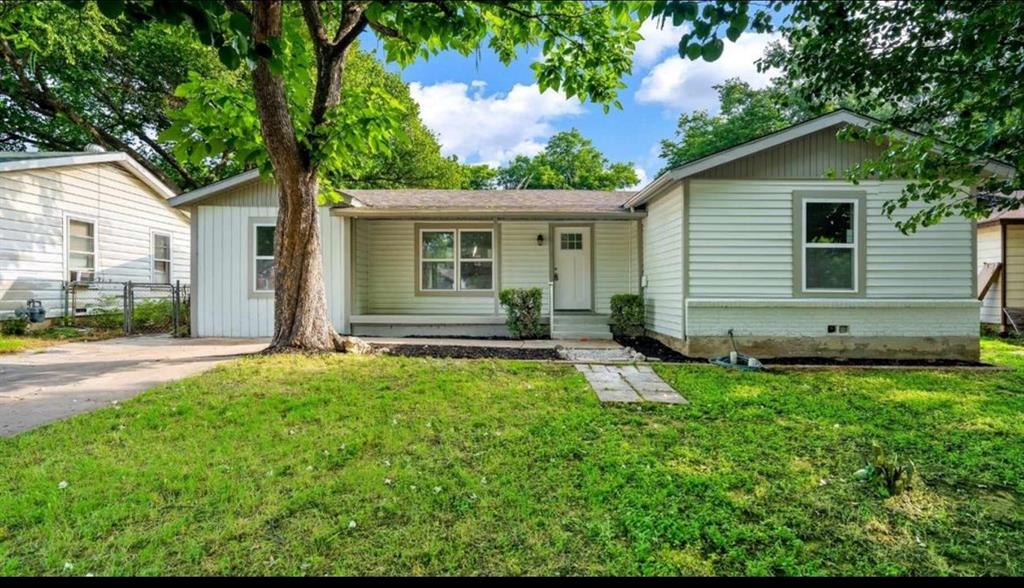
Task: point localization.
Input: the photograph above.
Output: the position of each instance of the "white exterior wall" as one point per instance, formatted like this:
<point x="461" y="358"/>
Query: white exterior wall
<point x="741" y="267"/>
<point x="524" y="263"/>
<point x="34" y="207"/>
<point x="990" y="250"/>
<point x="222" y="305"/>
<point x="1014" y="270"/>
<point x="663" y="242"/>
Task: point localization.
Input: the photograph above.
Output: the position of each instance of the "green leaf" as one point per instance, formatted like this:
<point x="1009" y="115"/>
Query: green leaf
<point x="712" y="50"/>
<point x="240" y="24"/>
<point x="692" y="51"/>
<point x="111" y="8"/>
<point x="229" y="57"/>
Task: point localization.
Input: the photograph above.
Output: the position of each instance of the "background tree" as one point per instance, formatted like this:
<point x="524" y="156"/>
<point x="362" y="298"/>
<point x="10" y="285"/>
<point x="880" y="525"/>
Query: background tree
<point x="569" y="160"/>
<point x="478" y="176"/>
<point x="69" y="78"/>
<point x="948" y="70"/>
<point x="744" y="114"/>
<point x="586" y="49"/>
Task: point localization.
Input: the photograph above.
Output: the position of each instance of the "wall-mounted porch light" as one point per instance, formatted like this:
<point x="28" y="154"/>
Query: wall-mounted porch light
<point x="540" y="239"/>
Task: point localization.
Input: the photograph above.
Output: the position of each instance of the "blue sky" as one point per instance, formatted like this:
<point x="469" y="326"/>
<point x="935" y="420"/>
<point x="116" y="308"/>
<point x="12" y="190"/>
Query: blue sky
<point x="483" y="111"/>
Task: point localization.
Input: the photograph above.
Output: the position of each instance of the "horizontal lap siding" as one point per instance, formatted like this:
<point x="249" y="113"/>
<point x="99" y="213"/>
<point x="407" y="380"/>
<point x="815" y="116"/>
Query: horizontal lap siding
<point x="741" y="239"/>
<point x="361" y="273"/>
<point x="524" y="264"/>
<point x="741" y="243"/>
<point x="990" y="250"/>
<point x="934" y="262"/>
<point x="33" y="205"/>
<point x="616" y="262"/>
<point x="663" y="263"/>
<point x="392" y="275"/>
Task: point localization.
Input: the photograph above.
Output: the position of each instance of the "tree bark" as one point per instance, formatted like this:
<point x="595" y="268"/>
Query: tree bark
<point x="301" y="319"/>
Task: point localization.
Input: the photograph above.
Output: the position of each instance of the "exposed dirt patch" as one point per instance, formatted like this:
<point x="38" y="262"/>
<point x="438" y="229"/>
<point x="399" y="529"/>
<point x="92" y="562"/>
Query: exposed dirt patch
<point x="466" y="352"/>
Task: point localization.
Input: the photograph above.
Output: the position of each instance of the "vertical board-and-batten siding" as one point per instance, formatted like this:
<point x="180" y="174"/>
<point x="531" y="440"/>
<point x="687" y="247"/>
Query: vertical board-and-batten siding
<point x="809" y="157"/>
<point x="663" y="242"/>
<point x="34" y="205"/>
<point x="990" y="250"/>
<point x="222" y="303"/>
<point x="741" y="240"/>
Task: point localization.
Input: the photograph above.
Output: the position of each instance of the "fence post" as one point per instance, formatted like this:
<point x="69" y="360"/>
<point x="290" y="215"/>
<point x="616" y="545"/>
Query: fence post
<point x="67" y="318"/>
<point x="175" y="301"/>
<point x="127" y="308"/>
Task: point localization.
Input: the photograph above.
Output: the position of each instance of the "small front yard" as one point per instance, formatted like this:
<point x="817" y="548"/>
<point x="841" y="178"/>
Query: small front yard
<point x="389" y="465"/>
<point x="52" y="336"/>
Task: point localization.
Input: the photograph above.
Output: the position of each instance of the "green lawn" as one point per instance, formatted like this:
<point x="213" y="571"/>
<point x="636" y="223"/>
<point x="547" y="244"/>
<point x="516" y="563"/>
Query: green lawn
<point x="355" y="465"/>
<point x="51" y="336"/>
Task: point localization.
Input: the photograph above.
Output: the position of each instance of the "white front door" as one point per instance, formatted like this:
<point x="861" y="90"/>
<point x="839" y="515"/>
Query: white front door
<point x="572" y="268"/>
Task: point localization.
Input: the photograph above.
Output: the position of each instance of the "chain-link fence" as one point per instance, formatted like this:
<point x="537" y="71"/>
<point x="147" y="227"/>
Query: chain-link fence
<point x="132" y="307"/>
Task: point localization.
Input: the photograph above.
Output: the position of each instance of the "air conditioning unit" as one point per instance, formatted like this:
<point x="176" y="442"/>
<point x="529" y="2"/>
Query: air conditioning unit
<point x="83" y="276"/>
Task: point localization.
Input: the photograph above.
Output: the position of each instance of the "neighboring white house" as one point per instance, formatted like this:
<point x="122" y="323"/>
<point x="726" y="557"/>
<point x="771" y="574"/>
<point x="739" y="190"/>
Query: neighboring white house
<point x="753" y="240"/>
<point x="1001" y="259"/>
<point x="84" y="217"/>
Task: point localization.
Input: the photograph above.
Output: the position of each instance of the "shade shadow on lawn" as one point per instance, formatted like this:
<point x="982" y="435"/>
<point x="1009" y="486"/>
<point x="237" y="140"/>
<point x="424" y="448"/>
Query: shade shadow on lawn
<point x="391" y="465"/>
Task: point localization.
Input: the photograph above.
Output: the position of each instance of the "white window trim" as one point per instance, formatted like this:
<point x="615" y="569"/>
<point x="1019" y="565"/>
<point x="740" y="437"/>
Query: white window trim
<point x="153" y="258"/>
<point x="854" y="246"/>
<point x="68" y="218"/>
<point x="256" y="256"/>
<point x="456" y="260"/>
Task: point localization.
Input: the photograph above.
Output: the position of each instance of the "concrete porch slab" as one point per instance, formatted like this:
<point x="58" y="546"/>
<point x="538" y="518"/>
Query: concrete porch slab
<point x="495" y="343"/>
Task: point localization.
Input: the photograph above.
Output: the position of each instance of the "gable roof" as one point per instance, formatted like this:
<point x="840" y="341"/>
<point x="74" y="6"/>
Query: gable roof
<point x="790" y="133"/>
<point x="19" y="161"/>
<point x="1005" y="215"/>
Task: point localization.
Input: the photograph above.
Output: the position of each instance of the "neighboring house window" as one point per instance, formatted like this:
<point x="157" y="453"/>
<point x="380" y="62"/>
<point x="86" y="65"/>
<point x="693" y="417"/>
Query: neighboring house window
<point x="830" y="245"/>
<point x="264" y="258"/>
<point x="81" y="258"/>
<point x="456" y="260"/>
<point x="161" y="259"/>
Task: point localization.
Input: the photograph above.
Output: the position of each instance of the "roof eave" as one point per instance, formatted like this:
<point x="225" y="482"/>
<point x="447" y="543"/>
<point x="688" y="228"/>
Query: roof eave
<point x="454" y="214"/>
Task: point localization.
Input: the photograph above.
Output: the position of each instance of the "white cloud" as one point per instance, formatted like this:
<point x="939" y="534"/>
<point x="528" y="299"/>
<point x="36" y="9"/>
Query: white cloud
<point x="657" y="41"/>
<point x="687" y="85"/>
<point x="641" y="173"/>
<point x="478" y="126"/>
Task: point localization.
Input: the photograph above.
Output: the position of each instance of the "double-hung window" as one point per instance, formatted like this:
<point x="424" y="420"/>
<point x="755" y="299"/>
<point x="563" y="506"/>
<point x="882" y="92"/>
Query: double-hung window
<point x="456" y="260"/>
<point x="161" y="258"/>
<point x="830" y="245"/>
<point x="81" y="255"/>
<point x="263" y="258"/>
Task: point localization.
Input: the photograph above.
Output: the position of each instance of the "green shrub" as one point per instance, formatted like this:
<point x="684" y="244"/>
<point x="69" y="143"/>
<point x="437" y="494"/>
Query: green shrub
<point x="522" y="312"/>
<point x="14" y="326"/>
<point x="627" y="314"/>
<point x="150" y="315"/>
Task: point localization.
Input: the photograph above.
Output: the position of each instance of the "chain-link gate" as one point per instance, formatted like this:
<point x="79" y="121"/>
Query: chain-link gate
<point x="134" y="308"/>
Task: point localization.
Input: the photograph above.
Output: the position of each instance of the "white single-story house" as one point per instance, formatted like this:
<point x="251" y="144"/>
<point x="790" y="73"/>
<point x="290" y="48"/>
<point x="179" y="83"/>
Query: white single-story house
<point x="84" y="216"/>
<point x="754" y="240"/>
<point x="1001" y="265"/>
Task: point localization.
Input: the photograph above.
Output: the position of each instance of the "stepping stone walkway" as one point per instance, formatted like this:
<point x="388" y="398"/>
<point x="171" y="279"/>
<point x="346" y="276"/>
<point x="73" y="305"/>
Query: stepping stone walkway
<point x="628" y="383"/>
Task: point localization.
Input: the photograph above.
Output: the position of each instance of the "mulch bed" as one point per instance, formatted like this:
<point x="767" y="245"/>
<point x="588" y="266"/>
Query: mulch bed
<point x="654" y="349"/>
<point x="466" y="352"/>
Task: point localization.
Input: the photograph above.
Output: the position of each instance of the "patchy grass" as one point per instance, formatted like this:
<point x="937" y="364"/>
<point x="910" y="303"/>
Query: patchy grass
<point x="52" y="336"/>
<point x="354" y="465"/>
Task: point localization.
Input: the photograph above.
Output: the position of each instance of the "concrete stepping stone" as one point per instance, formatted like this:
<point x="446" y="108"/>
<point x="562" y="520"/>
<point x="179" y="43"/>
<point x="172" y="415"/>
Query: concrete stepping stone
<point x="628" y="383"/>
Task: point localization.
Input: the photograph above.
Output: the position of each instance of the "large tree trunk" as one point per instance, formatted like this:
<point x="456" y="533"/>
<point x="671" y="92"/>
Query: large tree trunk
<point x="301" y="317"/>
<point x="301" y="320"/>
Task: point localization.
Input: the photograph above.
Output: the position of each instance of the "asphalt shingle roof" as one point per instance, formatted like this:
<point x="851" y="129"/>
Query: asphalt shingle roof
<point x="497" y="200"/>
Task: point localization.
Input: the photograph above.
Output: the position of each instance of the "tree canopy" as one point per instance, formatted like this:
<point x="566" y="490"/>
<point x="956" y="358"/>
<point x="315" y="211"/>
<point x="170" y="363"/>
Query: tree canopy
<point x="569" y="160"/>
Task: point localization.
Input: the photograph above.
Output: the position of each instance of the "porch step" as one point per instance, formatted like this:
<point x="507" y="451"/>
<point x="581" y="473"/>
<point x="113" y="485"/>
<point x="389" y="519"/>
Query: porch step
<point x="580" y="326"/>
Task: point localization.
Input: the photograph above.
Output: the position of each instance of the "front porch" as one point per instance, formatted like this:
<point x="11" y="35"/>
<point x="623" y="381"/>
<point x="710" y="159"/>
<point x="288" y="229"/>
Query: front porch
<point x="442" y="278"/>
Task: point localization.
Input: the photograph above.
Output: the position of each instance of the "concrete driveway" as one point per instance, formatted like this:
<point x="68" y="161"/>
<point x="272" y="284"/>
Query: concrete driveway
<point x="40" y="387"/>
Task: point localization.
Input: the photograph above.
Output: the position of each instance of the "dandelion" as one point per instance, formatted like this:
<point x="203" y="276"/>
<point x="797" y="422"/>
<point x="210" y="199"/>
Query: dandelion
<point x="437" y="489"/>
<point x="69" y="566"/>
<point x="387" y="481"/>
<point x="63" y="484"/>
<point x="351" y="524"/>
